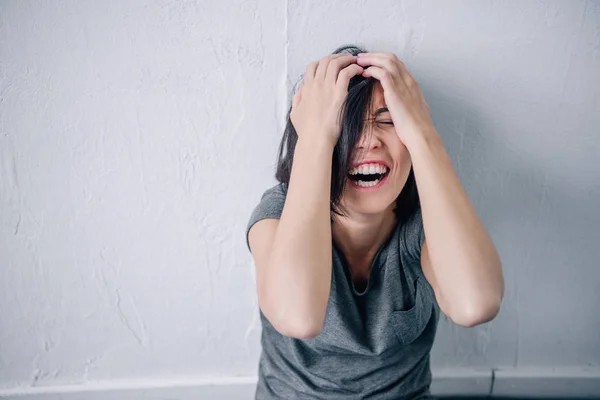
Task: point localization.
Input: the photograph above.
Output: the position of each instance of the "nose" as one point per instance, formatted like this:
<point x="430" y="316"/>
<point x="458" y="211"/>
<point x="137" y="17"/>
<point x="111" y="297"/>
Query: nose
<point x="368" y="141"/>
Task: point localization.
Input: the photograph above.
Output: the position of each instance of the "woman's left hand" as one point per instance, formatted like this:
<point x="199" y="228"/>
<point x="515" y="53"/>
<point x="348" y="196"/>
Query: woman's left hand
<point x="409" y="111"/>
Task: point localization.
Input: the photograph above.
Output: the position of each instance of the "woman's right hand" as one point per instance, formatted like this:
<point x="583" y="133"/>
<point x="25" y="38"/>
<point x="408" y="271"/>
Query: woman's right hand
<point x="317" y="104"/>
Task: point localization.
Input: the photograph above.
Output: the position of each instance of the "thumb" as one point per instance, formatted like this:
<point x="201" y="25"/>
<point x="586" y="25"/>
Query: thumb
<point x="297" y="97"/>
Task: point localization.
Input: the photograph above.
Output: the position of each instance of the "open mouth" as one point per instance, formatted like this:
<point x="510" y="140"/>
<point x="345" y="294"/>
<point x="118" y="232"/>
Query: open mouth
<point x="368" y="175"/>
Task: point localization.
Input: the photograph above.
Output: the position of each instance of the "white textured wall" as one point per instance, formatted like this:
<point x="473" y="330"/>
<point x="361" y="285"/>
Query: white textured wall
<point x="136" y="137"/>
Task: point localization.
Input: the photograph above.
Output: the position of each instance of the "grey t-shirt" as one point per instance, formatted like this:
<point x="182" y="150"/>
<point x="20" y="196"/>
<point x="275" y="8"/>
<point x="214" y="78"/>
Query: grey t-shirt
<point x="374" y="344"/>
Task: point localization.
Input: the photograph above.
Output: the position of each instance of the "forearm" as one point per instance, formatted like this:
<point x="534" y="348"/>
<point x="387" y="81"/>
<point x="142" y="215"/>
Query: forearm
<point x="298" y="275"/>
<point x="463" y="258"/>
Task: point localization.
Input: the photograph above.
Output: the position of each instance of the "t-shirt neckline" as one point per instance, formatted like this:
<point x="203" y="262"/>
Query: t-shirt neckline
<point x="378" y="255"/>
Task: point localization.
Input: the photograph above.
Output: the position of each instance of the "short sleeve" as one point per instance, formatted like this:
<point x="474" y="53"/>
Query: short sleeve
<point x="270" y="206"/>
<point x="412" y="236"/>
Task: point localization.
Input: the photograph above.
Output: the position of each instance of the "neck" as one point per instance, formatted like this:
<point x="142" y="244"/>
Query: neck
<point x="359" y="236"/>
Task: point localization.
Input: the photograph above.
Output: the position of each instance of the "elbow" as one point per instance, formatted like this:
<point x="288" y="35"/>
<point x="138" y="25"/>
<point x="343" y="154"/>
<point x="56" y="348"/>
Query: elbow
<point x="298" y="322"/>
<point x="304" y="331"/>
<point x="477" y="312"/>
<point x="295" y="316"/>
<point x="299" y="328"/>
<point x="482" y="305"/>
<point x="474" y="319"/>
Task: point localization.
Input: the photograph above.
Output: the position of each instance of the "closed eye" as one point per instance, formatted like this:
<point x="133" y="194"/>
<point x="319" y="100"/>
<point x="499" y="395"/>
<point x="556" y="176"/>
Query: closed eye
<point x="385" y="122"/>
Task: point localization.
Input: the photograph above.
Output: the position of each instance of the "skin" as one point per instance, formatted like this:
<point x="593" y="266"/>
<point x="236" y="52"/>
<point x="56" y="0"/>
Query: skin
<point x="371" y="218"/>
<point x="293" y="254"/>
<point x="458" y="257"/>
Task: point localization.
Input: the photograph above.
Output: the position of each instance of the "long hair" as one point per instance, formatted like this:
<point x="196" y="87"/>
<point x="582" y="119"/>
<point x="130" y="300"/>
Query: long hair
<point x="352" y="113"/>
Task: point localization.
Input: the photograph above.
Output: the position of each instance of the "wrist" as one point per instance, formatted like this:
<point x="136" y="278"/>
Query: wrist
<point x="318" y="142"/>
<point x="423" y="139"/>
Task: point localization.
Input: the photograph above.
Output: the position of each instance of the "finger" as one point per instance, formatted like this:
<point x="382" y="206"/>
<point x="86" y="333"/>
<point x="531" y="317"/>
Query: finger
<point x="297" y="97"/>
<point x="381" y="74"/>
<point x="346" y="74"/>
<point x="379" y="55"/>
<point x="376" y="53"/>
<point x="310" y="71"/>
<point x="324" y="64"/>
<point x="388" y="61"/>
<point x="382" y="60"/>
<point x="335" y="66"/>
<point x="379" y="59"/>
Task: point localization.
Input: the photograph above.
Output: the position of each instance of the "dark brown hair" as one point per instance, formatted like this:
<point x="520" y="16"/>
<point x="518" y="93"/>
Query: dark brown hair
<point x="352" y="114"/>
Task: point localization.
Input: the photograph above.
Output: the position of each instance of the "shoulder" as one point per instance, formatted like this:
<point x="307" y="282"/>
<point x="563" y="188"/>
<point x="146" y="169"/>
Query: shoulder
<point x="270" y="206"/>
<point x="412" y="236"/>
<point x="271" y="203"/>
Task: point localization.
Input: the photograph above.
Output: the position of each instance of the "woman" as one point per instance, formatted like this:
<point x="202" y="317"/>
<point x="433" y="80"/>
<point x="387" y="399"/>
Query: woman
<point x="351" y="274"/>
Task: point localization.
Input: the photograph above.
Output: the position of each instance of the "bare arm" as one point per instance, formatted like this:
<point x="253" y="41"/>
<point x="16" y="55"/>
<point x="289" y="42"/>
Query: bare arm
<point x="294" y="276"/>
<point x="293" y="256"/>
<point x="458" y="256"/>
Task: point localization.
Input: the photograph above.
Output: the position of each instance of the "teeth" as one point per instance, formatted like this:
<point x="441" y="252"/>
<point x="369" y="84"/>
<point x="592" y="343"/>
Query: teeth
<point x="368" y="184"/>
<point x="367" y="169"/>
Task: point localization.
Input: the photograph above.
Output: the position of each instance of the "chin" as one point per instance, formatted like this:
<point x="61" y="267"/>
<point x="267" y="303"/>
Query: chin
<point x="371" y="203"/>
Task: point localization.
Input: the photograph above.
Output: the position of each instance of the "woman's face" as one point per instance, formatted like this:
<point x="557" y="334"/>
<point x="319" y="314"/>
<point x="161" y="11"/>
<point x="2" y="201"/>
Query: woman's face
<point x="380" y="166"/>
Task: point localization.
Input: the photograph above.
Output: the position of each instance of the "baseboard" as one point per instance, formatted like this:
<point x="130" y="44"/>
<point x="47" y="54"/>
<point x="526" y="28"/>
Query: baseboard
<point x="461" y="382"/>
<point x="233" y="388"/>
<point x="579" y="383"/>
<point x="513" y="383"/>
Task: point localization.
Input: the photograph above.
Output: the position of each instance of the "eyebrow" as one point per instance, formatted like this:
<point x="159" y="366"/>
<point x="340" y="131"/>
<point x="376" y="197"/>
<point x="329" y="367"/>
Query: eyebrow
<point x="380" y="111"/>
